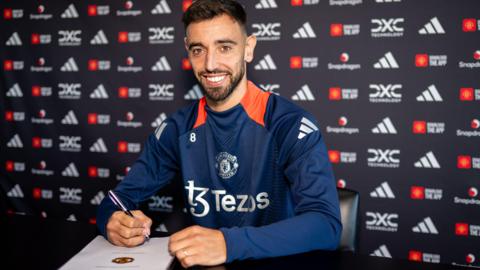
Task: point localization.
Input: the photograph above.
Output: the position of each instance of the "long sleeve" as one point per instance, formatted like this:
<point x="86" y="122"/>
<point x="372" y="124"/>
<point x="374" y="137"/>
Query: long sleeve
<point x="155" y="168"/>
<point x="316" y="224"/>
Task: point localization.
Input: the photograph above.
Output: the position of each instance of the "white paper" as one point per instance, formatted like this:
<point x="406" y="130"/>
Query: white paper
<point x="99" y="253"/>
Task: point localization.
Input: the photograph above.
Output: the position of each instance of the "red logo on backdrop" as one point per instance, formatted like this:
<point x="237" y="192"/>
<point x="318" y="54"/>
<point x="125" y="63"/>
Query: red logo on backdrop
<point x="186" y="65"/>
<point x="335" y="93"/>
<point x="36" y="91"/>
<point x="92" y="221"/>
<point x="469" y="25"/>
<point x="9" y="165"/>
<point x="36" y="142"/>
<point x="8" y="65"/>
<point x="37" y="193"/>
<point x="476" y="55"/>
<point x="92" y="10"/>
<point x="123" y="92"/>
<point x="419" y="127"/>
<point x="93" y="64"/>
<point x="334" y="156"/>
<point x="296" y="3"/>
<point x="186" y="4"/>
<point x="417" y="193"/>
<point x="123" y="37"/>
<point x="336" y="30"/>
<point x="35" y="39"/>
<point x="295" y="62"/>
<point x="122" y="147"/>
<point x="414" y="255"/>
<point x="464" y="162"/>
<point x="466" y="94"/>
<point x="92" y="119"/>
<point x="421" y="60"/>
<point x="461" y="229"/>
<point x="7" y="13"/>
<point x="92" y="171"/>
<point x="9" y="116"/>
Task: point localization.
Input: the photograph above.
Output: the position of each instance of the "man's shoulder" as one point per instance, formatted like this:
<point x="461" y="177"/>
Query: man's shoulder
<point x="184" y="118"/>
<point x="282" y="112"/>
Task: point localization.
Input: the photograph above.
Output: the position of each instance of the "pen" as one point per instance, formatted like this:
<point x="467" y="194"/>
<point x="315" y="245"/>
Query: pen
<point x="116" y="200"/>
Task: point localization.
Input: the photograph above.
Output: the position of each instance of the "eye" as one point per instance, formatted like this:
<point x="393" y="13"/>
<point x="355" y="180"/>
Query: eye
<point x="225" y="49"/>
<point x="196" y="51"/>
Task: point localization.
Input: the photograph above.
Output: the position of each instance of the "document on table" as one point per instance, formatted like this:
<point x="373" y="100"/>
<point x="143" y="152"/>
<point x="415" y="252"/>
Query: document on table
<point x="100" y="254"/>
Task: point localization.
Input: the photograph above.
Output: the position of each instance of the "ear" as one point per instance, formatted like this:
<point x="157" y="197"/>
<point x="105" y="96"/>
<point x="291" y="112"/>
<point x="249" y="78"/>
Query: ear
<point x="185" y="43"/>
<point x="250" y="48"/>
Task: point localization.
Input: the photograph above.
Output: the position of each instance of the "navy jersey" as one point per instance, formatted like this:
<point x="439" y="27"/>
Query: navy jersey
<point x="259" y="172"/>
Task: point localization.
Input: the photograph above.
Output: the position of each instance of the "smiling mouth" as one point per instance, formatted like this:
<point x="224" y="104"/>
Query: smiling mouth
<point x="215" y="79"/>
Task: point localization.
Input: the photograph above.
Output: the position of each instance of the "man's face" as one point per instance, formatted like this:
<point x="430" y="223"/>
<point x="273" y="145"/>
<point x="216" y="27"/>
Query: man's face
<point x="218" y="49"/>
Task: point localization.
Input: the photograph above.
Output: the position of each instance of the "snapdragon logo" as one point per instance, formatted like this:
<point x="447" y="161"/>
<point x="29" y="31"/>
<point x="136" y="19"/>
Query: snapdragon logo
<point x="223" y="202"/>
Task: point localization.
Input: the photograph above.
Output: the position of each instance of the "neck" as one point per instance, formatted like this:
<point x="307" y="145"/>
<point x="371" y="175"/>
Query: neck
<point x="230" y="101"/>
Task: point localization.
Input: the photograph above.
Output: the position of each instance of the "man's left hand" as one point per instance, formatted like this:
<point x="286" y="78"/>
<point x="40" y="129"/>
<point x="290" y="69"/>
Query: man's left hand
<point x="198" y="245"/>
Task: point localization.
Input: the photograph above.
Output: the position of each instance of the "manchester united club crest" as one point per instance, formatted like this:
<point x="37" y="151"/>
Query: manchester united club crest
<point x="226" y="165"/>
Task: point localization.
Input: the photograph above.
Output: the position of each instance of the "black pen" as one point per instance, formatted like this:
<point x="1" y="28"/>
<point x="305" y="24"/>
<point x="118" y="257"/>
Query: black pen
<point x="116" y="200"/>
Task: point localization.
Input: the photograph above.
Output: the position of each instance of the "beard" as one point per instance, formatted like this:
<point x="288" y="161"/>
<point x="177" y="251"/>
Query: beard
<point x="218" y="94"/>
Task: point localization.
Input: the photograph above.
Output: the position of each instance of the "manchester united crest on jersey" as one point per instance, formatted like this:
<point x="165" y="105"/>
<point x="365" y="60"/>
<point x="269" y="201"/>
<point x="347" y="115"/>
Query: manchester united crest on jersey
<point x="226" y="165"/>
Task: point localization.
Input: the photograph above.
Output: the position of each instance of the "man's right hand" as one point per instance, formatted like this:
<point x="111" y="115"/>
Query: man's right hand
<point x="125" y="231"/>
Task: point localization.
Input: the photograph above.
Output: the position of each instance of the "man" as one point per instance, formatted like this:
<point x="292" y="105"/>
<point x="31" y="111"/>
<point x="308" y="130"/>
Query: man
<point x="257" y="178"/>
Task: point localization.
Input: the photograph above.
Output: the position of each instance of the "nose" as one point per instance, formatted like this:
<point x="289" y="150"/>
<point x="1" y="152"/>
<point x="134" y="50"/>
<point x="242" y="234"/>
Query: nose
<point x="210" y="62"/>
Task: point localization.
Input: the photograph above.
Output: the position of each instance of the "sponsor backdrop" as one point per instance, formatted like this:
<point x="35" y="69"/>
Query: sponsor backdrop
<point x="393" y="83"/>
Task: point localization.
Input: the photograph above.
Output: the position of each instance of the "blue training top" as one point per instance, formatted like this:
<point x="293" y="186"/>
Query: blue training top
<point x="259" y="172"/>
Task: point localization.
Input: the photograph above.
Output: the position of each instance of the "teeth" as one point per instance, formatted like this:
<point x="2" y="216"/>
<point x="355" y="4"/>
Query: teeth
<point x="215" y="79"/>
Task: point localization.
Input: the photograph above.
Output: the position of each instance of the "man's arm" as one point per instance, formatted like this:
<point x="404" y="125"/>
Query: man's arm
<point x="316" y="224"/>
<point x="155" y="167"/>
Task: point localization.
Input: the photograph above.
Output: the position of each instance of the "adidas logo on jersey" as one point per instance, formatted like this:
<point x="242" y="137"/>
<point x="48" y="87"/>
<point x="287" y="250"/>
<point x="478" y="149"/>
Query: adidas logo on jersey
<point x="425" y="226"/>
<point x="431" y="94"/>
<point x="159" y="130"/>
<point x="382" y="251"/>
<point x="161" y="8"/>
<point x="14" y="91"/>
<point x="385" y="127"/>
<point x="69" y="66"/>
<point x="266" y="63"/>
<point x="99" y="146"/>
<point x="159" y="120"/>
<point x="70" y="119"/>
<point x="306" y="127"/>
<point x="383" y="191"/>
<point x="432" y="27"/>
<point x="161" y="65"/>
<point x="14" y="40"/>
<point x="161" y="228"/>
<point x="15" y="192"/>
<point x="265" y="4"/>
<point x="70" y="171"/>
<point x="304" y="94"/>
<point x="305" y="31"/>
<point x="386" y="62"/>
<point x="15" y="142"/>
<point x="70" y="12"/>
<point x="427" y="161"/>
<point x="99" y="93"/>
<point x="98" y="198"/>
<point x="194" y="93"/>
<point x="99" y="39"/>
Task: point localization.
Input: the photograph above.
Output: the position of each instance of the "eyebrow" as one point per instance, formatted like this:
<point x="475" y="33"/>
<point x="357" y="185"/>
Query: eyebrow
<point x="220" y="41"/>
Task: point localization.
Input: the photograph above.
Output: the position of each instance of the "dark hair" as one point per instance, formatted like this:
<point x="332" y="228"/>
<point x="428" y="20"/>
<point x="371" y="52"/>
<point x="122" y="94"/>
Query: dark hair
<point x="202" y="10"/>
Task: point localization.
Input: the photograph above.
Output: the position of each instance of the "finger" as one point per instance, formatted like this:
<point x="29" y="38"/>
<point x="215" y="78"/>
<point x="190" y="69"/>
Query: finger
<point x="189" y="261"/>
<point x="147" y="222"/>
<point x="184" y="233"/>
<point x="130" y="222"/>
<point x="127" y="232"/>
<point x="176" y="246"/>
<point x="131" y="242"/>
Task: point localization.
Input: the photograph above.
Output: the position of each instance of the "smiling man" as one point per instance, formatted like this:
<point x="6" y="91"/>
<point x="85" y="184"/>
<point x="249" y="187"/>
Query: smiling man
<point x="255" y="170"/>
